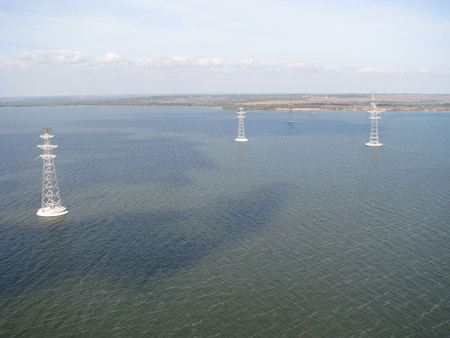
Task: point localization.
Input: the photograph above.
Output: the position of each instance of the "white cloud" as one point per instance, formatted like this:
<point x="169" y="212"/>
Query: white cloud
<point x="49" y="57"/>
<point x="66" y="72"/>
<point x="111" y="58"/>
<point x="370" y="70"/>
<point x="67" y="59"/>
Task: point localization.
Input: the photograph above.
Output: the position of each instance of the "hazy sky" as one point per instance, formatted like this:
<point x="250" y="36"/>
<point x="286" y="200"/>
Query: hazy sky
<point x="90" y="47"/>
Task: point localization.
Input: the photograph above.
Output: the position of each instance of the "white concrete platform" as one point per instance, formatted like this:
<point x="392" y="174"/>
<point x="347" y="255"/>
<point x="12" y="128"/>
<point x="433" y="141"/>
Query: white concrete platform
<point x="52" y="212"/>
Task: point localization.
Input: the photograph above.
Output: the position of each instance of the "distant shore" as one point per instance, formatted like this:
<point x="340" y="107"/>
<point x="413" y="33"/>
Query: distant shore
<point x="358" y="102"/>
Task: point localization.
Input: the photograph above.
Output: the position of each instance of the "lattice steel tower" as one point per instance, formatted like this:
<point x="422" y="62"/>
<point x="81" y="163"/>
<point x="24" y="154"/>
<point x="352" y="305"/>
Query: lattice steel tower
<point x="51" y="200"/>
<point x="290" y="120"/>
<point x="241" y="130"/>
<point x="374" y="117"/>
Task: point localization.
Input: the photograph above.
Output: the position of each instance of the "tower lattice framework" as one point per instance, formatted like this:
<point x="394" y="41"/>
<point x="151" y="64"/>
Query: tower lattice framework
<point x="241" y="129"/>
<point x="51" y="199"/>
<point x="290" y="120"/>
<point x="374" y="117"/>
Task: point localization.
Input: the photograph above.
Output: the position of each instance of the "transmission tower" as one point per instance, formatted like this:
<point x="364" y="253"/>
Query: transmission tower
<point x="51" y="201"/>
<point x="241" y="130"/>
<point x="374" y="117"/>
<point x="290" y="120"/>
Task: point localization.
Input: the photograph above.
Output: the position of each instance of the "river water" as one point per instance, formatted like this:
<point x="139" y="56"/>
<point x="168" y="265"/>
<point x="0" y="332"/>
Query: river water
<point x="176" y="230"/>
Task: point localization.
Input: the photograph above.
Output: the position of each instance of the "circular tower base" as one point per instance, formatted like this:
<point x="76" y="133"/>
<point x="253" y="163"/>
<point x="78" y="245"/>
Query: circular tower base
<point x="241" y="140"/>
<point x="374" y="144"/>
<point x="51" y="212"/>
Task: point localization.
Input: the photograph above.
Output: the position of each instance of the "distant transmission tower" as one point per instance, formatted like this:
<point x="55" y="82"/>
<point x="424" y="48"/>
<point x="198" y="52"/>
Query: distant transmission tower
<point x="51" y="201"/>
<point x="241" y="130"/>
<point x="290" y="120"/>
<point x="373" y="116"/>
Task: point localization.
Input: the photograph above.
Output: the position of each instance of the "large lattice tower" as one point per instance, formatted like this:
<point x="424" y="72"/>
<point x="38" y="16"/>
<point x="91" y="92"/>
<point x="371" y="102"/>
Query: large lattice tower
<point x="51" y="200"/>
<point x="374" y="117"/>
<point x="290" y="120"/>
<point x="241" y="130"/>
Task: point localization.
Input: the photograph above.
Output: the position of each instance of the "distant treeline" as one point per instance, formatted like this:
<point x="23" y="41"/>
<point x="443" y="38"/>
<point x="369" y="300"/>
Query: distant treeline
<point x="247" y="101"/>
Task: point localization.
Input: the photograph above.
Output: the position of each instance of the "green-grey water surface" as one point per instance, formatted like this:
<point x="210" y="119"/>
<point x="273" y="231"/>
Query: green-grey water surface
<point x="175" y="230"/>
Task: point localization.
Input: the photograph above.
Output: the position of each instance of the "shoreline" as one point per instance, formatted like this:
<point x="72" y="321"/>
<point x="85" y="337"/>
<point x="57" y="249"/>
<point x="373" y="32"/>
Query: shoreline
<point x="349" y="102"/>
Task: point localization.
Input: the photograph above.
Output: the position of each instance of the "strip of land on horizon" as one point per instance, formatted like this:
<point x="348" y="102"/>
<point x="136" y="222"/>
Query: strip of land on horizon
<point x="389" y="102"/>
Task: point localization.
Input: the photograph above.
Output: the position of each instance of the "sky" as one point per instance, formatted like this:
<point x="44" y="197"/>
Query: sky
<point x="153" y="47"/>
